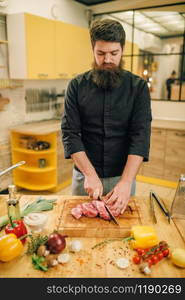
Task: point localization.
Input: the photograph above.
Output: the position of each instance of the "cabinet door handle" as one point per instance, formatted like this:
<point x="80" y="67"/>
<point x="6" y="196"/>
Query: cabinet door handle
<point x="62" y="74"/>
<point x="42" y="75"/>
<point x="158" y="131"/>
<point x="180" y="134"/>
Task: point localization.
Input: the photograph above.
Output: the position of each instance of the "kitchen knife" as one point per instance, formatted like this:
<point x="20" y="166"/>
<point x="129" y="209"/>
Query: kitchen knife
<point x="109" y="212"/>
<point x="162" y="206"/>
<point x="111" y="215"/>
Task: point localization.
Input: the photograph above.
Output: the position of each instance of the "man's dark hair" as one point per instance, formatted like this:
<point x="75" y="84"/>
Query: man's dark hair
<point x="107" y="30"/>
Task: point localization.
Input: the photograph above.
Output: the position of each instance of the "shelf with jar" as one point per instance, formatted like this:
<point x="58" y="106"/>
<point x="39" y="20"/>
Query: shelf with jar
<point x="40" y="153"/>
<point x="39" y="144"/>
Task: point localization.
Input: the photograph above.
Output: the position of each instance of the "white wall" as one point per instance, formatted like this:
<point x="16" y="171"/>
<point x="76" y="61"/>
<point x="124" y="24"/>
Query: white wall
<point x="65" y="10"/>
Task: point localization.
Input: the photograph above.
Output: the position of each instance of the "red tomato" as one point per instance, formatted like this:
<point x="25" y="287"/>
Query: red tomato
<point x="160" y="255"/>
<point x="140" y="251"/>
<point x="154" y="259"/>
<point x="157" y="250"/>
<point x="166" y="252"/>
<point x="136" y="259"/>
<point x="149" y="261"/>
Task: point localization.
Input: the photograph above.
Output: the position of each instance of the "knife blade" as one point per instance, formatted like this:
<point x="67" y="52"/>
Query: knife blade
<point x="109" y="212"/>
<point x="111" y="215"/>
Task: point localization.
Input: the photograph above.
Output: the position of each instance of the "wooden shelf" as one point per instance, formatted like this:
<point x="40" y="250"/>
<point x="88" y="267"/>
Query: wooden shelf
<point x="37" y="170"/>
<point x="27" y="151"/>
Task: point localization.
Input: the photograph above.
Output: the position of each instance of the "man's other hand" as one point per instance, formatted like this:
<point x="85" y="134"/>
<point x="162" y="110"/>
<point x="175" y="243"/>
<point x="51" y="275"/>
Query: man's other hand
<point x="118" y="198"/>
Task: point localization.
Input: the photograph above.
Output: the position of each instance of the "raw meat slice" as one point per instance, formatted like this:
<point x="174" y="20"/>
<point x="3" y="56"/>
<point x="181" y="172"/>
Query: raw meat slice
<point x="101" y="209"/>
<point x="77" y="212"/>
<point x="89" y="210"/>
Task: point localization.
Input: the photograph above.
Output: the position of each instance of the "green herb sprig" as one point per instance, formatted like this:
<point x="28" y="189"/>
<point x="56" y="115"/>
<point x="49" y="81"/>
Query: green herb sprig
<point x="35" y="242"/>
<point x="38" y="261"/>
<point x="112" y="240"/>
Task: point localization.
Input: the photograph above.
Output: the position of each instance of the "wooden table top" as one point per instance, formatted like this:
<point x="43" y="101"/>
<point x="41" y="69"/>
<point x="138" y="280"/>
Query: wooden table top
<point x="98" y="262"/>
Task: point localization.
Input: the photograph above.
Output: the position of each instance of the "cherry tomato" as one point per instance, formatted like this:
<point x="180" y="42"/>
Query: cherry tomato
<point x="149" y="261"/>
<point x="160" y="255"/>
<point x="166" y="252"/>
<point x="154" y="259"/>
<point x="136" y="259"/>
<point x="157" y="250"/>
<point x="140" y="251"/>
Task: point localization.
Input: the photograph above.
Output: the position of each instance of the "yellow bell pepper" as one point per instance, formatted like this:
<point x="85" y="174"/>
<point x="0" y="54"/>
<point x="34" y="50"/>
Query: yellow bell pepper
<point x="143" y="237"/>
<point x="10" y="247"/>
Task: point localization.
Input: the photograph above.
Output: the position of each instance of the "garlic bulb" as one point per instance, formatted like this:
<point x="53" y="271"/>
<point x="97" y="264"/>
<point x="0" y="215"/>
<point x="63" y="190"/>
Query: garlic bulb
<point x="122" y="263"/>
<point x="75" y="246"/>
<point x="63" y="258"/>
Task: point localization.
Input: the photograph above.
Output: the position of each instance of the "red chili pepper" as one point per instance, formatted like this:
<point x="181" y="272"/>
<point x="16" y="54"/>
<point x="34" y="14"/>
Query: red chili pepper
<point x="18" y="228"/>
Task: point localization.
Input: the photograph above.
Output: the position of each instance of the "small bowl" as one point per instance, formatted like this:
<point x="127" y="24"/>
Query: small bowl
<point x="36" y="221"/>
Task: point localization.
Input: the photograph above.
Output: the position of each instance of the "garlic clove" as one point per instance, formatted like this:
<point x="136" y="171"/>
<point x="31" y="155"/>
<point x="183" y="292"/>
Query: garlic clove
<point x="63" y="258"/>
<point x="75" y="246"/>
<point x="122" y="263"/>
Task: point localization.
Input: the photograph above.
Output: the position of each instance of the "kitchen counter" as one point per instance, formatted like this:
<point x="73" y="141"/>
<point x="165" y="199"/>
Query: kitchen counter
<point x="168" y="124"/>
<point x="99" y="262"/>
<point x="46" y="127"/>
<point x="41" y="127"/>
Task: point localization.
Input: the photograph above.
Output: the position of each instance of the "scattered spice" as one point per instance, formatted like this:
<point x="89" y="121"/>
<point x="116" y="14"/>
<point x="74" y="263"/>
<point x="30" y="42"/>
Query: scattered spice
<point x="81" y="261"/>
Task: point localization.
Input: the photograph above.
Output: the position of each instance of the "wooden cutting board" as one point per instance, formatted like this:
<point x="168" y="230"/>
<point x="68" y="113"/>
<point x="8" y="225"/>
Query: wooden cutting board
<point x="97" y="227"/>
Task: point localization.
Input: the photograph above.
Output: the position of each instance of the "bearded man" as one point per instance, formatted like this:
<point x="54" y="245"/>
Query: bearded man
<point x="106" y="123"/>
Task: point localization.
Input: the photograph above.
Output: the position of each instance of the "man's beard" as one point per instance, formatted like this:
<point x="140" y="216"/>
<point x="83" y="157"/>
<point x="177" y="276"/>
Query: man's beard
<point x="107" y="76"/>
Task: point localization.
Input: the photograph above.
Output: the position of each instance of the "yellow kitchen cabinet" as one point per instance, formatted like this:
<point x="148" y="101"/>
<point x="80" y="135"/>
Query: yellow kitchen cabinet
<point x="40" y="38"/>
<point x="42" y="48"/>
<point x="31" y="46"/>
<point x="73" y="50"/>
<point x="44" y="169"/>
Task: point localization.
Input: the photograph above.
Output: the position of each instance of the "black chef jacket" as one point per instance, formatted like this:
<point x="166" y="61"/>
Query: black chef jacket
<point x="107" y="124"/>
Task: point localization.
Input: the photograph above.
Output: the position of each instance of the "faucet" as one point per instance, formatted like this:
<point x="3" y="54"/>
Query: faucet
<point x="12" y="167"/>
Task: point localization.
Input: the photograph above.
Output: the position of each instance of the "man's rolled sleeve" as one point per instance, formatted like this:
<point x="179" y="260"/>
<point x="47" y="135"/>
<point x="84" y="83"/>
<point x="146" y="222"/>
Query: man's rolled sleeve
<point x="71" y="124"/>
<point x="140" y="124"/>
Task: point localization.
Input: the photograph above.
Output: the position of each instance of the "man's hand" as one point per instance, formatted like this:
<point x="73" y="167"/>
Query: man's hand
<point x="118" y="198"/>
<point x="93" y="186"/>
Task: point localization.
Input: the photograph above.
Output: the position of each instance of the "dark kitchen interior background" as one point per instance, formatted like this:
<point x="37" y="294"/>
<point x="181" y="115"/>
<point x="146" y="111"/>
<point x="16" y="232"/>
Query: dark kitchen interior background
<point x="157" y="47"/>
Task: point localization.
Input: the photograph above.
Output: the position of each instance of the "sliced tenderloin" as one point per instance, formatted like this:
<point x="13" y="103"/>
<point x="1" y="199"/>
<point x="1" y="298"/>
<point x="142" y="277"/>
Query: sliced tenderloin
<point x="89" y="210"/>
<point x="101" y="209"/>
<point x="77" y="211"/>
